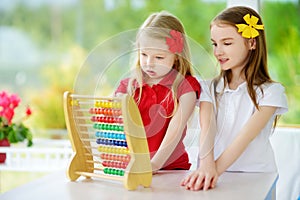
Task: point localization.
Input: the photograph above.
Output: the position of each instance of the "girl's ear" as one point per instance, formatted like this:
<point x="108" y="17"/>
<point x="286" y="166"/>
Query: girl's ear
<point x="252" y="44"/>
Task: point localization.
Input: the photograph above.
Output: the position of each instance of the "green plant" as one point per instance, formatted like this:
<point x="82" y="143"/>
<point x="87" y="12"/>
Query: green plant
<point x="14" y="132"/>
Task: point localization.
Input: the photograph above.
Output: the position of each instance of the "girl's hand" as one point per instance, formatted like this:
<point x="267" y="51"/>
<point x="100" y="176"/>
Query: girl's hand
<point x="205" y="177"/>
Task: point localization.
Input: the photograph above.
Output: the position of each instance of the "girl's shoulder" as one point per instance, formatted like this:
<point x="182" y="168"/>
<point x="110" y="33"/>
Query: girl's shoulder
<point x="189" y="84"/>
<point x="271" y="88"/>
<point x="122" y="87"/>
<point x="124" y="81"/>
<point x="127" y="81"/>
<point x="192" y="79"/>
<point x="273" y="94"/>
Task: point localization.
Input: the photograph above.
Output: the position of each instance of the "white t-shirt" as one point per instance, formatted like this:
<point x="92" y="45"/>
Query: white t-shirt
<point x="235" y="107"/>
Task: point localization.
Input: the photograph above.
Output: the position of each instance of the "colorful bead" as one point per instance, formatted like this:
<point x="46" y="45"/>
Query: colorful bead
<point x="114" y="171"/>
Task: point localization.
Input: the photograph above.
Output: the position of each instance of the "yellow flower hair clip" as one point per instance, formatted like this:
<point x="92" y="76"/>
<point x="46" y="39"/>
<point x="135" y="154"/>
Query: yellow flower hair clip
<point x="250" y="30"/>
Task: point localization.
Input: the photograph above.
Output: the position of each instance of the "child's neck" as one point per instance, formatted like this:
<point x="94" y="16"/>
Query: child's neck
<point x="151" y="81"/>
<point x="235" y="82"/>
<point x="237" y="78"/>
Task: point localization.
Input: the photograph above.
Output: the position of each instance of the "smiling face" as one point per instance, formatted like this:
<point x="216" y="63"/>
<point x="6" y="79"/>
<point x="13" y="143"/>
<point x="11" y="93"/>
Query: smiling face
<point x="230" y="48"/>
<point x="156" y="60"/>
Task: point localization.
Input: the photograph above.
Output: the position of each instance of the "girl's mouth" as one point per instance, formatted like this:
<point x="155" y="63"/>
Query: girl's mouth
<point x="151" y="73"/>
<point x="223" y="60"/>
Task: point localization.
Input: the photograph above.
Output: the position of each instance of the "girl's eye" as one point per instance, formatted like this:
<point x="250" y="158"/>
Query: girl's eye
<point x="227" y="43"/>
<point x="159" y="57"/>
<point x="214" y="44"/>
<point x="143" y="54"/>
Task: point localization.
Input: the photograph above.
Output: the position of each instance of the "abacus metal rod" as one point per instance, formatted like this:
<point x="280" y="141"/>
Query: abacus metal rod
<point x="83" y="117"/>
<point x="87" y="140"/>
<point x="93" y="154"/>
<point x="92" y="161"/>
<point x="91" y="147"/>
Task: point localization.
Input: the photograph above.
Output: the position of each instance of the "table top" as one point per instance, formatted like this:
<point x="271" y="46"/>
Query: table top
<point x="165" y="185"/>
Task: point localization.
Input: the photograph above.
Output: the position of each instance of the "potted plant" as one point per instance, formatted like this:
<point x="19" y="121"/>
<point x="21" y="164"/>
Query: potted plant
<point x="12" y="131"/>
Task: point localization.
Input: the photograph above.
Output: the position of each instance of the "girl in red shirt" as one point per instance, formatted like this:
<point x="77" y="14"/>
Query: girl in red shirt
<point x="164" y="89"/>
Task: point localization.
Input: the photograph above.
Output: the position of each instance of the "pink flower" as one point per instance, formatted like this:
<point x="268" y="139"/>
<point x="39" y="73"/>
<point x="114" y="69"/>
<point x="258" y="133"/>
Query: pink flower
<point x="8" y="103"/>
<point x="4" y="101"/>
<point x="28" y="111"/>
<point x="14" y="100"/>
<point x="9" y="114"/>
<point x="12" y="130"/>
<point x="175" y="42"/>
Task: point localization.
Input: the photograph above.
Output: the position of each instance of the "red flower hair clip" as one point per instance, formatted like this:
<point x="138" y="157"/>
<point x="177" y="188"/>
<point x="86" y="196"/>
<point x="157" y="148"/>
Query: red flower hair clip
<point x="175" y="42"/>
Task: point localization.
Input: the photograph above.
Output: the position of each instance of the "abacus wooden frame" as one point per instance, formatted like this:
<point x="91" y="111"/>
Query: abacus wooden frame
<point x="138" y="171"/>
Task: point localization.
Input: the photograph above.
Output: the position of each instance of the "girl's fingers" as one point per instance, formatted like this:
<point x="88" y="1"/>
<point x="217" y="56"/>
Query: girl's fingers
<point x="192" y="181"/>
<point x="198" y="180"/>
<point x="199" y="183"/>
<point x="214" y="182"/>
<point x="186" y="180"/>
<point x="207" y="182"/>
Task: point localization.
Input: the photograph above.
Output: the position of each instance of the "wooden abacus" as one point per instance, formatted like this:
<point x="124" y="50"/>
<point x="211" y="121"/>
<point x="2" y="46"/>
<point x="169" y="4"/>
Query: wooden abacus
<point x="108" y="140"/>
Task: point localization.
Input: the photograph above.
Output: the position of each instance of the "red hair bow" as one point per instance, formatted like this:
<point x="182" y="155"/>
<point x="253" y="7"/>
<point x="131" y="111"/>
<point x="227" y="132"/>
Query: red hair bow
<point x="175" y="42"/>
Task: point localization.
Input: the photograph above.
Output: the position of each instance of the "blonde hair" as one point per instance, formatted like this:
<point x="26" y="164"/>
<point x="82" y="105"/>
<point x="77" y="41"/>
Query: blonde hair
<point x="158" y="26"/>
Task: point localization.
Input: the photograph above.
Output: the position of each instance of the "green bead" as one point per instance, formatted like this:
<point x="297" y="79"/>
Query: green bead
<point x="95" y="126"/>
<point x="105" y="170"/>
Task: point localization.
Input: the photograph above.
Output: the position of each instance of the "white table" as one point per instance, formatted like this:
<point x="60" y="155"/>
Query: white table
<point x="165" y="185"/>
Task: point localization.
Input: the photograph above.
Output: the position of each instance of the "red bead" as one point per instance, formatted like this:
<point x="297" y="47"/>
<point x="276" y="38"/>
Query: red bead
<point x="120" y="120"/>
<point x="115" y="113"/>
<point x="119" y="112"/>
<point x="118" y="165"/>
<point x="91" y="110"/>
<point x="127" y="158"/>
<point x="103" y="156"/>
<point x="105" y="163"/>
<point x="124" y="165"/>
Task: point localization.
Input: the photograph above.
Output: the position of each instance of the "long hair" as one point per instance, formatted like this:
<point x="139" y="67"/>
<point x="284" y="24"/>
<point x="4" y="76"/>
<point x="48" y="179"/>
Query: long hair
<point x="158" y="26"/>
<point x="256" y="68"/>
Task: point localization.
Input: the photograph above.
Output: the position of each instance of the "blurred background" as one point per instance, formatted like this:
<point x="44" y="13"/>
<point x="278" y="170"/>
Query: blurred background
<point x="43" y="44"/>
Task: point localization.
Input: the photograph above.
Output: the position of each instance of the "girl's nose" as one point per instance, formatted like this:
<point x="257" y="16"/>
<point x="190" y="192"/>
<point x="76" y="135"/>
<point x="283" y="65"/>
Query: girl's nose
<point x="218" y="51"/>
<point x="150" y="62"/>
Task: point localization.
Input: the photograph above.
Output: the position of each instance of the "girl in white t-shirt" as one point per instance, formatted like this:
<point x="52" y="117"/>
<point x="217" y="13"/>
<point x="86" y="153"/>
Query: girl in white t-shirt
<point x="239" y="108"/>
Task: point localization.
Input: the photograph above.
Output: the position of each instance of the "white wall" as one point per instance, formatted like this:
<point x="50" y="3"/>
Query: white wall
<point x="286" y="146"/>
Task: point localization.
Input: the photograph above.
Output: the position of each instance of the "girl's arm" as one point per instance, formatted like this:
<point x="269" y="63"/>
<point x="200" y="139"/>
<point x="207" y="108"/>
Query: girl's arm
<point x="251" y="129"/>
<point x="186" y="105"/>
<point x="206" y="175"/>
